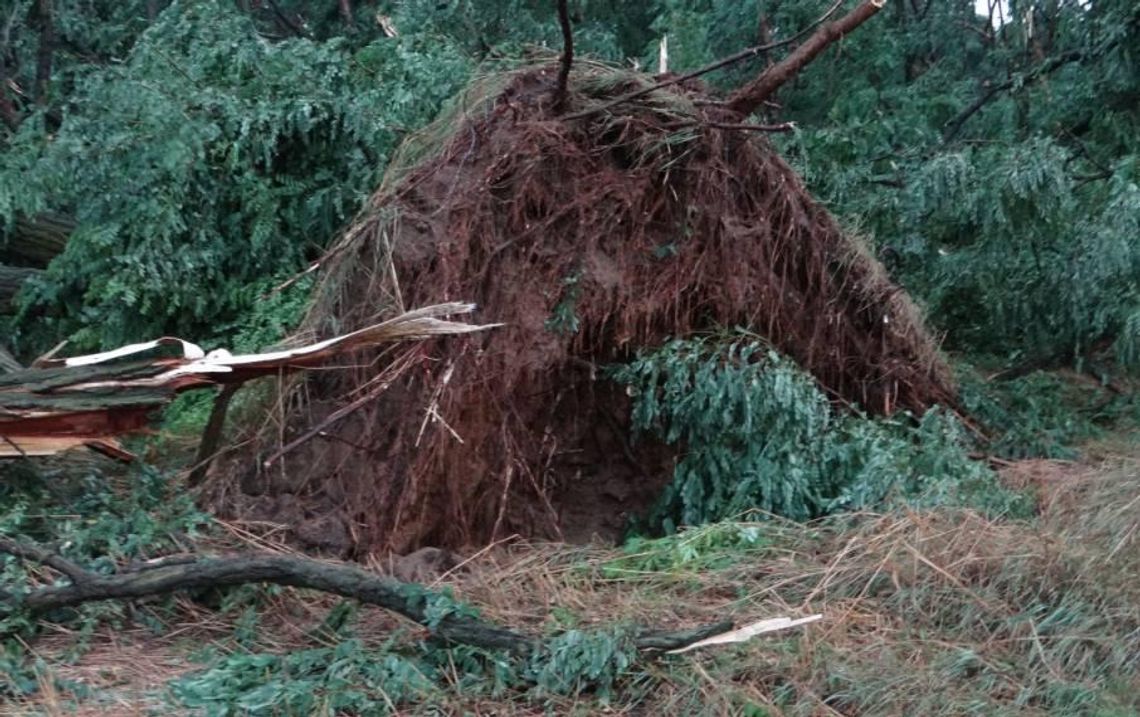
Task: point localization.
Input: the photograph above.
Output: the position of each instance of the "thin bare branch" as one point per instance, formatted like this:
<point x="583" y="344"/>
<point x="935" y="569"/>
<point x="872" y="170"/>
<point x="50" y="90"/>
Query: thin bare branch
<point x="751" y="97"/>
<point x="567" y="58"/>
<point x="745" y="54"/>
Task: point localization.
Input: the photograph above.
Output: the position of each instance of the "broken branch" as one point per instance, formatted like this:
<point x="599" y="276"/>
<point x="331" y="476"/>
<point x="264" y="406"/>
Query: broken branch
<point x="72" y="402"/>
<point x="749" y="98"/>
<point x="745" y="54"/>
<point x="567" y="58"/>
<point x="409" y="600"/>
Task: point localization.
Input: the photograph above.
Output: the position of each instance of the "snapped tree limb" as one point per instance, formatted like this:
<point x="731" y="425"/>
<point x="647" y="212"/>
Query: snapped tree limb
<point x="409" y="600"/>
<point x="567" y="57"/>
<point x="749" y="98"/>
<point x="91" y="400"/>
<point x="745" y="54"/>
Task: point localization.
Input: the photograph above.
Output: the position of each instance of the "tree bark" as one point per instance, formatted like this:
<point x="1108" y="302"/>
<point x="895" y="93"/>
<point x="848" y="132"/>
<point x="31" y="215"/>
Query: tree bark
<point x="346" y="12"/>
<point x="567" y="58"/>
<point x="407" y="599"/>
<point x="212" y="435"/>
<point x="11" y="279"/>
<point x="8" y="110"/>
<point x="45" y="52"/>
<point x="37" y="240"/>
<point x="749" y="98"/>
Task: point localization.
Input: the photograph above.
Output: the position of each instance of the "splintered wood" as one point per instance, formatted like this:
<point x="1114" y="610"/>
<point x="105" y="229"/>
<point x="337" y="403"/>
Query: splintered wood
<point x="93" y="400"/>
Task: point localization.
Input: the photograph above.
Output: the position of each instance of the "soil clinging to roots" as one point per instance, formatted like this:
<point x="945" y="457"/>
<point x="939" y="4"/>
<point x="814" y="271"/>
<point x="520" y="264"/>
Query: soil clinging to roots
<point x="588" y="239"/>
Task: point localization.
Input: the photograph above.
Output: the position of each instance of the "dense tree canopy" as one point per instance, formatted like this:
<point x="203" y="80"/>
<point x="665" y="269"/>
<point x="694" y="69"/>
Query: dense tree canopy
<point x="205" y="150"/>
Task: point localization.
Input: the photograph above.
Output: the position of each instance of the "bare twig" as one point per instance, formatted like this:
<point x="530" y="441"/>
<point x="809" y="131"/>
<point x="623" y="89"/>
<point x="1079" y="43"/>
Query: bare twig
<point x="724" y="62"/>
<point x="780" y="127"/>
<point x="567" y="58"/>
<point x="381" y="387"/>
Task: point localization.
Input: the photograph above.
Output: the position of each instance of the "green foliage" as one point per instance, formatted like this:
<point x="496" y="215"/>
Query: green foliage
<point x="1032" y="268"/>
<point x="706" y="547"/>
<point x="91" y="521"/>
<point x="509" y="27"/>
<point x="757" y="434"/>
<point x="578" y="661"/>
<point x="1017" y="225"/>
<point x="1043" y="415"/>
<point x="209" y="165"/>
<point x="351" y="678"/>
<point x="565" y="318"/>
<point x="95" y="522"/>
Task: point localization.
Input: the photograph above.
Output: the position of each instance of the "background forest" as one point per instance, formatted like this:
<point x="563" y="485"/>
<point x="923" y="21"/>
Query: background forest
<point x="164" y="166"/>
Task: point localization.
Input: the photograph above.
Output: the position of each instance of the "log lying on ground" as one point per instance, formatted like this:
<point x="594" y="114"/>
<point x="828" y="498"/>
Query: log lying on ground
<point x="8" y="362"/>
<point x="12" y="278"/>
<point x="26" y="248"/>
<point x="92" y="400"/>
<point x="407" y="599"/>
<point x="35" y="241"/>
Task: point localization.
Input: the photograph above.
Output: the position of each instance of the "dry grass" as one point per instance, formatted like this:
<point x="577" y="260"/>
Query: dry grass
<point x="934" y="613"/>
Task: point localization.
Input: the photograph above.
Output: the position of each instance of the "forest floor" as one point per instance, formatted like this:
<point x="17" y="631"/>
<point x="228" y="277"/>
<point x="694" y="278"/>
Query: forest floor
<point x="928" y="612"/>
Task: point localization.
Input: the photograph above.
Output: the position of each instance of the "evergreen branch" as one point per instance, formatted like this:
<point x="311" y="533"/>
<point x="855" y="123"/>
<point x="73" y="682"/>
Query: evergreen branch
<point x="954" y="126"/>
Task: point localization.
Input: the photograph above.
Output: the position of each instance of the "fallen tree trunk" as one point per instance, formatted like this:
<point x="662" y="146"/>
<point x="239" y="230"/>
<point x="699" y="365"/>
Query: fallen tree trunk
<point x="12" y="278"/>
<point x="8" y="362"/>
<point x="35" y="241"/>
<point x="410" y="600"/>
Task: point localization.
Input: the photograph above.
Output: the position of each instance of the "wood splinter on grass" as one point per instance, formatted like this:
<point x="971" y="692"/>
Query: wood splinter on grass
<point x="746" y="633"/>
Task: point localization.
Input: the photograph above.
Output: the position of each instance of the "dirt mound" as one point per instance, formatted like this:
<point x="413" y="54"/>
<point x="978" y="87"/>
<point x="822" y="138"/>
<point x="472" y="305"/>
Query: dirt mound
<point x="588" y="239"/>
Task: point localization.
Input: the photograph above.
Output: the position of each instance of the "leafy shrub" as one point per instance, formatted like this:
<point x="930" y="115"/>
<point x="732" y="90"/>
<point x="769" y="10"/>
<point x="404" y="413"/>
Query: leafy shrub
<point x="757" y="434"/>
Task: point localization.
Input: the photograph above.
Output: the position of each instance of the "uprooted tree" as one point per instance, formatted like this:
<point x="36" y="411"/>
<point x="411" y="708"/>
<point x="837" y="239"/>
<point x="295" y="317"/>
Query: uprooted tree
<point x="590" y="210"/>
<point x="629" y="212"/>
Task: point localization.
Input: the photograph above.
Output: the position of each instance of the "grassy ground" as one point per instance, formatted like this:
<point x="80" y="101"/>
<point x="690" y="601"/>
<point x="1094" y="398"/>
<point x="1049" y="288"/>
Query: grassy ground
<point x="939" y="612"/>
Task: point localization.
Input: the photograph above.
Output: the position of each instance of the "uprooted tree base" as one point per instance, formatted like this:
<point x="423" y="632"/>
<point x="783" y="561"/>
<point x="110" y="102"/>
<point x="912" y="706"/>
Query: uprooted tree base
<point x="589" y="239"/>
